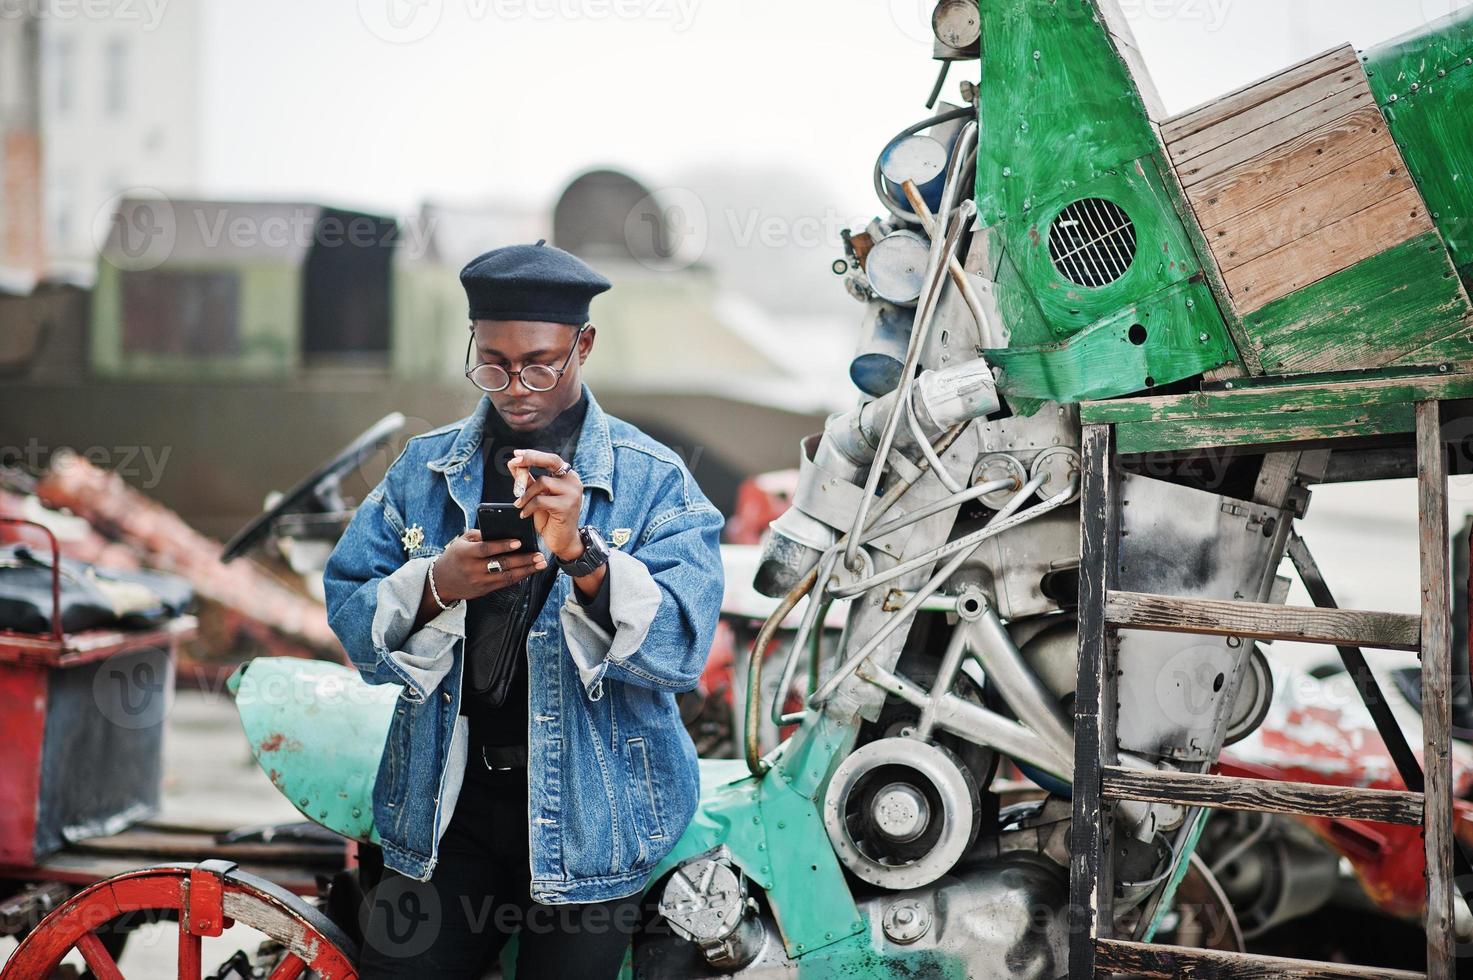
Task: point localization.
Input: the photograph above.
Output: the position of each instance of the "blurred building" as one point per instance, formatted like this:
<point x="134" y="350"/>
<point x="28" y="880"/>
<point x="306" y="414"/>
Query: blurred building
<point x="22" y="244"/>
<point x="120" y="109"/>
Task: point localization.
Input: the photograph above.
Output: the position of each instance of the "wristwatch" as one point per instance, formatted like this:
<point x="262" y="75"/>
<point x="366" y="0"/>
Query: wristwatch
<point x="595" y="553"/>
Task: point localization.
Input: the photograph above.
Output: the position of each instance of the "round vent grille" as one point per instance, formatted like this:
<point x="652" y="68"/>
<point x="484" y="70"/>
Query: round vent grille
<point x="1092" y="242"/>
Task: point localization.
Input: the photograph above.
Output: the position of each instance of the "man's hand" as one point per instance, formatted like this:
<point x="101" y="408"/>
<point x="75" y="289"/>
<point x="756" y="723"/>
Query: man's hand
<point x="553" y="502"/>
<point x="461" y="571"/>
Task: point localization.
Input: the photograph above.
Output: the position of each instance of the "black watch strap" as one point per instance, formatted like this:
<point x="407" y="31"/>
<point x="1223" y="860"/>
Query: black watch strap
<point x="595" y="554"/>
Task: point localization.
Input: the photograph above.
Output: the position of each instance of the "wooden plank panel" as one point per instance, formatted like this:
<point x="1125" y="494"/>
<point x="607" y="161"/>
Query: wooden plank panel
<point x="1269" y="112"/>
<point x="1178" y="962"/>
<point x="1262" y="430"/>
<point x="1091" y="881"/>
<point x="1285" y="168"/>
<point x="1255" y="284"/>
<point x="1262" y="795"/>
<point x="1377" y="312"/>
<point x="1308" y="209"/>
<point x="1436" y="625"/>
<point x="1258" y="142"/>
<point x="1255" y="93"/>
<point x="1263" y="621"/>
<point x="1296" y="397"/>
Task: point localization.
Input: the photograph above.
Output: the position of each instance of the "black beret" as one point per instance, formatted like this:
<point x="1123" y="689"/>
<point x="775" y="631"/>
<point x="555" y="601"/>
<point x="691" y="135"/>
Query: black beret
<point x="538" y="282"/>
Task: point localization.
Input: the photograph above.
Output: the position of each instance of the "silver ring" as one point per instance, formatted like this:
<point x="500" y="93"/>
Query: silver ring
<point x="493" y="566"/>
<point x="563" y="470"/>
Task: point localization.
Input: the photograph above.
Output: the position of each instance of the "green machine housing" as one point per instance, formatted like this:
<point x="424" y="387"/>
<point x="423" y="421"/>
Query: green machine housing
<point x="1313" y="223"/>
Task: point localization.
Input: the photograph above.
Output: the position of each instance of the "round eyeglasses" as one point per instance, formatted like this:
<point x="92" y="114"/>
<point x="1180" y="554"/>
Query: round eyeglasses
<point x="534" y="377"/>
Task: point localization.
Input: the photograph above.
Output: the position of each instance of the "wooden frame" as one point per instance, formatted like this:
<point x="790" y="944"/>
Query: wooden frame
<point x="1099" y="778"/>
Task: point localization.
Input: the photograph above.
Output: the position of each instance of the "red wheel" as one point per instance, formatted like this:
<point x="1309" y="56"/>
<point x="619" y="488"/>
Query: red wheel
<point x="207" y="897"/>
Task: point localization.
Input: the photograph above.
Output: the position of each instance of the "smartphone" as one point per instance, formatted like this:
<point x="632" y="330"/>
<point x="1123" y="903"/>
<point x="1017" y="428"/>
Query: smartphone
<point x="505" y="522"/>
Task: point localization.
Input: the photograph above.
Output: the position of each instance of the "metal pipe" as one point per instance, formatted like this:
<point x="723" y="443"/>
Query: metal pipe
<point x="958" y="273"/>
<point x="756" y="765"/>
<point x="973" y="722"/>
<point x="924" y="314"/>
<point x="825" y="565"/>
<point x="945" y="676"/>
<point x="942" y="473"/>
<point x="924" y="318"/>
<point x="1002" y="522"/>
<point x="921" y="594"/>
<point x="1019" y="686"/>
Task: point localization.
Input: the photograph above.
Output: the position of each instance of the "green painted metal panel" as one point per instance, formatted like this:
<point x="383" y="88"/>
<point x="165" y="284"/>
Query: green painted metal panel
<point x="1404" y="306"/>
<point x="1174" y="335"/>
<point x="1363" y="404"/>
<point x="1057" y="105"/>
<point x="1424" y="83"/>
<point x="318" y="731"/>
<point x="1261" y="430"/>
<point x="773" y="828"/>
<point x="1345" y="392"/>
<point x="1061" y="121"/>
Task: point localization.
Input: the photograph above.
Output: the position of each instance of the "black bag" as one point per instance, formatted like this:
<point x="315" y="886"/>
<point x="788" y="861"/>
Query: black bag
<point x="91" y="597"/>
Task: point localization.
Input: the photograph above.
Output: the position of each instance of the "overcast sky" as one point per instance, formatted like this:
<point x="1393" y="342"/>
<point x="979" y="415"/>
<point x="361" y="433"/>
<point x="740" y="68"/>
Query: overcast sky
<point x="385" y="103"/>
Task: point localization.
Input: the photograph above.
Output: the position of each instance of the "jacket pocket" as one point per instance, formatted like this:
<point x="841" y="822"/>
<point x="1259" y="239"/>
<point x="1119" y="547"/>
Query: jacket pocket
<point x="394" y="769"/>
<point x="647" y="819"/>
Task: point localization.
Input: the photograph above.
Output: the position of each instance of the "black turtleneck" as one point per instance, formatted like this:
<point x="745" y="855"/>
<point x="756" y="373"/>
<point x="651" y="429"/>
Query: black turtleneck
<point x="486" y="618"/>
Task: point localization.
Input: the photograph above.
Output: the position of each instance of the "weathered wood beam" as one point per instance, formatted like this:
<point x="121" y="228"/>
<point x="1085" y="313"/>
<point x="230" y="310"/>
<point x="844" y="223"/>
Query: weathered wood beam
<point x="1263" y="621"/>
<point x="1144" y="960"/>
<point x="1262" y="795"/>
<point x="1437" y="641"/>
<point x="1091" y="878"/>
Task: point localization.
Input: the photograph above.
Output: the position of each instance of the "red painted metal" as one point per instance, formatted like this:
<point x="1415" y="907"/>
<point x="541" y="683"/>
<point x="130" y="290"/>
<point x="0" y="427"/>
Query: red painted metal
<point x="98" y="959"/>
<point x="190" y="966"/>
<point x="289" y="968"/>
<point x="149" y="889"/>
<point x="22" y="729"/>
<point x="206" y="913"/>
<point x="56" y="633"/>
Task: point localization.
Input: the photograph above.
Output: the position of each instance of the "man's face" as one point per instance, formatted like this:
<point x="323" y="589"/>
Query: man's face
<point x="515" y="344"/>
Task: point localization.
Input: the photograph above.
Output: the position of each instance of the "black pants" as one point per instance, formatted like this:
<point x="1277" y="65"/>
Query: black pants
<point x="455" y="924"/>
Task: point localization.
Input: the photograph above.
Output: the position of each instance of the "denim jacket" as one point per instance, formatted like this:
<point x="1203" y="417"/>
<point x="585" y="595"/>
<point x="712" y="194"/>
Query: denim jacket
<point x="612" y="776"/>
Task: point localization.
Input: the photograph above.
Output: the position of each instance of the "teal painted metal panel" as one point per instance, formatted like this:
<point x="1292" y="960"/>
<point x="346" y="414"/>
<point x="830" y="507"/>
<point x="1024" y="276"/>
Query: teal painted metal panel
<point x="318" y="731"/>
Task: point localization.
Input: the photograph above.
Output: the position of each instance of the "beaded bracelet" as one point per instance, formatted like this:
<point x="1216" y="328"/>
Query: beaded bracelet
<point x="434" y="592"/>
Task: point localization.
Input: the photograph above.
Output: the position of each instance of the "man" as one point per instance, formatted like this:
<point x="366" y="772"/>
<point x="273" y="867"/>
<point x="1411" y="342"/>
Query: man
<point x="536" y="768"/>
